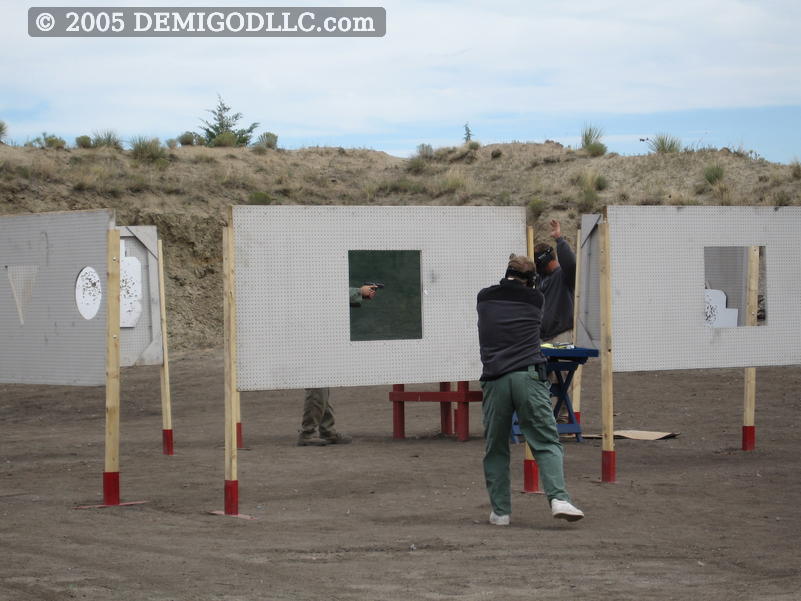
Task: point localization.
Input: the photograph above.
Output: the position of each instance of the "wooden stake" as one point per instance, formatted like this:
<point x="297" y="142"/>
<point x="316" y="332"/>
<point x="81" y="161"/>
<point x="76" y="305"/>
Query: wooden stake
<point x="229" y="318"/>
<point x="530" y="241"/>
<point x="752" y="303"/>
<point x="166" y="402"/>
<point x="111" y="474"/>
<point x="575" y="391"/>
<point x="608" y="467"/>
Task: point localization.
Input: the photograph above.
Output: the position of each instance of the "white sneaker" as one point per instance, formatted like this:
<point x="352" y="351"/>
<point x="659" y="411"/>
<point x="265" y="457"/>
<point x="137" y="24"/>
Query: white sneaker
<point x="565" y="510"/>
<point x="499" y="520"/>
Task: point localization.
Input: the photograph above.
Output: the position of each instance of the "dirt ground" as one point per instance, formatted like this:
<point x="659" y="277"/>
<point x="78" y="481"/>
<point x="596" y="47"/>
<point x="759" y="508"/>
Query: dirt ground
<point x="691" y="518"/>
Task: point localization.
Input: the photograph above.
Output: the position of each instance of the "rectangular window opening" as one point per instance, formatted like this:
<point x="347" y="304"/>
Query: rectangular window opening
<point x="734" y="286"/>
<point x="396" y="311"/>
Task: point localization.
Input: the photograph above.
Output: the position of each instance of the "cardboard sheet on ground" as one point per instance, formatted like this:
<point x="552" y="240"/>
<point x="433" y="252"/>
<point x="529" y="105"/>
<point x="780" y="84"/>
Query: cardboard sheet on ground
<point x="638" y="435"/>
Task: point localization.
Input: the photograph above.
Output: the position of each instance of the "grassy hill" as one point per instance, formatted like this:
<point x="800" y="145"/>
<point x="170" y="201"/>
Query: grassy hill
<point x="185" y="193"/>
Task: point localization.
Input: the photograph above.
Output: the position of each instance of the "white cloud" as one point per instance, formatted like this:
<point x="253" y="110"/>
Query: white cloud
<point x="440" y="61"/>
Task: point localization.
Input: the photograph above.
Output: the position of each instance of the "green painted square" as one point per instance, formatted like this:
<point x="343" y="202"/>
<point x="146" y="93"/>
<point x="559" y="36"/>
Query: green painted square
<point x="396" y="311"/>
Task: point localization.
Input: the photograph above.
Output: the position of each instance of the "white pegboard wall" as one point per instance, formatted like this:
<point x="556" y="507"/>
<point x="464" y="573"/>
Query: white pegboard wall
<point x="657" y="264"/>
<point x="45" y="339"/>
<point x="293" y="327"/>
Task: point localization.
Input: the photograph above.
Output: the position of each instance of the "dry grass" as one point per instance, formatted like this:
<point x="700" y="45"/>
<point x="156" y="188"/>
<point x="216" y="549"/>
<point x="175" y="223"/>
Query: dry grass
<point x="559" y="182"/>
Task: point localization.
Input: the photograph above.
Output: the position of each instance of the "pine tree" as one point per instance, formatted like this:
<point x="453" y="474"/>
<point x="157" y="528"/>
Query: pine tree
<point x="223" y="121"/>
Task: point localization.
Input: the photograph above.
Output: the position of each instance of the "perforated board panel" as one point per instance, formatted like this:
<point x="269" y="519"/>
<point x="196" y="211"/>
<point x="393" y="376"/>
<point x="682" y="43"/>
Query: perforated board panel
<point x="45" y="340"/>
<point x="141" y="344"/>
<point x="588" y="329"/>
<point x="292" y="291"/>
<point x="657" y="256"/>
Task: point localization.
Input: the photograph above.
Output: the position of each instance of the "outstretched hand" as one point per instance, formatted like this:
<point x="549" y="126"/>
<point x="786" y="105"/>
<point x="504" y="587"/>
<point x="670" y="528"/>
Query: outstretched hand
<point x="367" y="292"/>
<point x="556" y="229"/>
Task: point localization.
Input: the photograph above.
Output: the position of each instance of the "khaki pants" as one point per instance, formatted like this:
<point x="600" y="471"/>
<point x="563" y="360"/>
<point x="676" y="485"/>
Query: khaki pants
<point x="318" y="412"/>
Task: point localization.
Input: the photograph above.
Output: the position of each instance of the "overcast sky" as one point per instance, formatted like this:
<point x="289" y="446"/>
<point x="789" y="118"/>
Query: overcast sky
<point x="712" y="72"/>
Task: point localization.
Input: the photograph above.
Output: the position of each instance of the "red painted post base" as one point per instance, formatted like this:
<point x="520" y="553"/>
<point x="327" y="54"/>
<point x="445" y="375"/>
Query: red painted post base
<point x="531" y="477"/>
<point x="749" y="438"/>
<point x="578" y="416"/>
<point x="167" y="443"/>
<point x="111" y="488"/>
<point x="398" y="415"/>
<point x="232" y="497"/>
<point x="445" y="411"/>
<point x="239" y="438"/>
<point x="608" y="466"/>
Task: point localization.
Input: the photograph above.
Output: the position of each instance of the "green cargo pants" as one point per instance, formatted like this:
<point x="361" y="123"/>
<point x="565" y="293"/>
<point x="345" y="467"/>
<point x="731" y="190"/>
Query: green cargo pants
<point x="525" y="393"/>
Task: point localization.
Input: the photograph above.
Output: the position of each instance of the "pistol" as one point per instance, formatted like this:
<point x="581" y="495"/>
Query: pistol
<point x="377" y="285"/>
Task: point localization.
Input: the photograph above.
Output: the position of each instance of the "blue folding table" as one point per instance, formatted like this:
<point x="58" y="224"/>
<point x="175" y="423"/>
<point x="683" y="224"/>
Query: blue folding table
<point x="562" y="362"/>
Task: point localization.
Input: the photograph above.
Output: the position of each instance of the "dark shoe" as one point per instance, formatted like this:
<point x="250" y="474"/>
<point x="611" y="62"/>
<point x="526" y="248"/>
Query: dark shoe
<point x="310" y="439"/>
<point x="337" y="438"/>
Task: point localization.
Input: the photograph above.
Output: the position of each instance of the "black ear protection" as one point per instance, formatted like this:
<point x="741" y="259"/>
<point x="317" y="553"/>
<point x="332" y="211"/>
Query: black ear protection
<point x="528" y="276"/>
<point x="543" y="258"/>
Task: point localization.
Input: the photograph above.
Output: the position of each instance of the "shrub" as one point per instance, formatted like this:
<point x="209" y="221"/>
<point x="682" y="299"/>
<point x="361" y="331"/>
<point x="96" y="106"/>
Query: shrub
<point x="596" y="149"/>
<point x="225" y="140"/>
<point x="536" y="207"/>
<point x="259" y="198"/>
<point x="473" y="145"/>
<point x="795" y="166"/>
<point x="588" y="200"/>
<point x="171" y="143"/>
<point x="106" y="138"/>
<point x="3" y="131"/>
<point x="591" y="140"/>
<point x="258" y="149"/>
<point x="664" y="143"/>
<point x="402" y="185"/>
<point x="83" y="142"/>
<point x="782" y="198"/>
<point x="496" y="153"/>
<point x="590" y="179"/>
<point x="425" y="151"/>
<point x="187" y="138"/>
<point x="713" y="173"/>
<point x="268" y="140"/>
<point x="53" y="141"/>
<point x="722" y="193"/>
<point x="416" y="165"/>
<point x="147" y="149"/>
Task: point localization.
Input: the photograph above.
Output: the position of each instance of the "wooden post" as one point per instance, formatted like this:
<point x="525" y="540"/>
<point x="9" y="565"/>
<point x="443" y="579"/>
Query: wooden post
<point x="111" y="473"/>
<point x="575" y="391"/>
<point x="166" y="404"/>
<point x="752" y="302"/>
<point x="530" y="241"/>
<point x="229" y="323"/>
<point x="445" y="411"/>
<point x="398" y="415"/>
<point x="608" y="460"/>
<point x="462" y="413"/>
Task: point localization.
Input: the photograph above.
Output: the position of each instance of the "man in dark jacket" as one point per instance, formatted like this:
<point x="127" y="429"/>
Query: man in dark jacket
<point x="514" y="380"/>
<point x="557" y="273"/>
